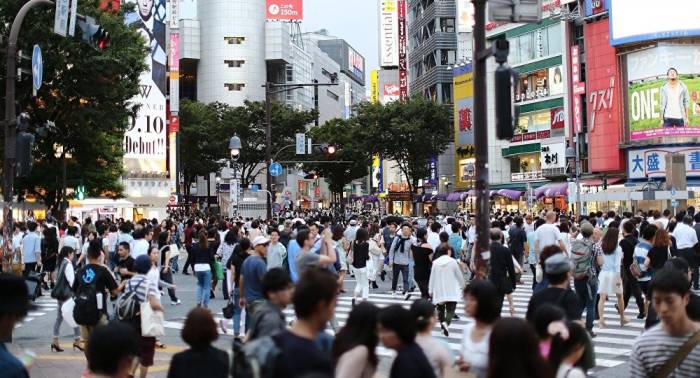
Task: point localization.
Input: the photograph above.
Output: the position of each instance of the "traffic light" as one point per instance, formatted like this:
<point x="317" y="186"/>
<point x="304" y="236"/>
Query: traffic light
<point x="328" y="149"/>
<point x="503" y="87"/>
<point x="24" y="146"/>
<point x="311" y="176"/>
<point x="93" y="34"/>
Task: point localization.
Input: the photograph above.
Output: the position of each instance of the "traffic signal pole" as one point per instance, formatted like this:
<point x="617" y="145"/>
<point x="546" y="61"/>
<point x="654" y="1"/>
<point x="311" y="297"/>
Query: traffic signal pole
<point x="8" y="169"/>
<point x="481" y="137"/>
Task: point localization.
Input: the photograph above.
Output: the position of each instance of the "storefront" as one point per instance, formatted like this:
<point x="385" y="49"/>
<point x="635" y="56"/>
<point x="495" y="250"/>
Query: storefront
<point x="104" y="208"/>
<point x="399" y="203"/>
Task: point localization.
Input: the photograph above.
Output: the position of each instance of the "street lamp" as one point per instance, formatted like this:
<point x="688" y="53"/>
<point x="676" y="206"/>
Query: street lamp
<point x="234" y="145"/>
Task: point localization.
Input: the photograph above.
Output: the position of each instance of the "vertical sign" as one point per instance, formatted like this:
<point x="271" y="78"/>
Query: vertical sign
<point x="145" y="138"/>
<point x="60" y="22"/>
<point x="233" y="192"/>
<point x="174" y="64"/>
<point x="388" y="23"/>
<point x="300" y="144"/>
<point x="374" y="87"/>
<point x="579" y="88"/>
<point x="403" y="69"/>
<point x="73" y="16"/>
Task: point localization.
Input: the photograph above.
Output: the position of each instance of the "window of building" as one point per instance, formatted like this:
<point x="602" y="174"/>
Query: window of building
<point x="234" y="63"/>
<point x="234" y="86"/>
<point x="525" y="163"/>
<point x="289" y="73"/>
<point x="537" y="44"/>
<point x="447" y="25"/>
<point x="446" y="93"/>
<point x="533" y="122"/>
<point x="234" y="40"/>
<point x="554" y="39"/>
<point x="524" y="43"/>
<point x="332" y="95"/>
<point x="447" y="57"/>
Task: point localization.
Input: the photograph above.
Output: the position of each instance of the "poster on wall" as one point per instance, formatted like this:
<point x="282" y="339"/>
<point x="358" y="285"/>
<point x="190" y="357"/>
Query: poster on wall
<point x="144" y="140"/>
<point x="463" y="86"/>
<point x="663" y="92"/>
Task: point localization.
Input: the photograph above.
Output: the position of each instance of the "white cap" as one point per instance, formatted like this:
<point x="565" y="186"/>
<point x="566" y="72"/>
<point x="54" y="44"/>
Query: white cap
<point x="353" y="222"/>
<point x="260" y="240"/>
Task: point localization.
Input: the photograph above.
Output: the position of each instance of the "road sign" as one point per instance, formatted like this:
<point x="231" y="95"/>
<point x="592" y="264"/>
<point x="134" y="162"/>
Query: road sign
<point x="60" y="22"/>
<point x="37" y="68"/>
<point x="674" y="203"/>
<point x="673" y="192"/>
<point x="275" y="169"/>
<point x="254" y="188"/>
<point x="301" y="144"/>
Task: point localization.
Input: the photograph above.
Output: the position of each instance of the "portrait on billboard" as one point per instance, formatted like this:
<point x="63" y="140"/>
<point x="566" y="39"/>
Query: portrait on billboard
<point x="556" y="81"/>
<point x="148" y="18"/>
<point x="663" y="92"/>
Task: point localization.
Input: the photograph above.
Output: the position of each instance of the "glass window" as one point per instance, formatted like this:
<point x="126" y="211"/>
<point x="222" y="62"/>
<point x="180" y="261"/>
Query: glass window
<point x="525" y="48"/>
<point x="446" y="93"/>
<point x="234" y="63"/>
<point x="541" y="43"/>
<point x="290" y="73"/>
<point x="447" y="25"/>
<point x="234" y="86"/>
<point x="554" y="39"/>
<point x="447" y="57"/>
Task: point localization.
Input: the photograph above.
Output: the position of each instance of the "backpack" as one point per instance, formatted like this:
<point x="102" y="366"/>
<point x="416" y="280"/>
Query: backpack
<point x="255" y="359"/>
<point x="85" y="311"/>
<point x="582" y="257"/>
<point x="128" y="306"/>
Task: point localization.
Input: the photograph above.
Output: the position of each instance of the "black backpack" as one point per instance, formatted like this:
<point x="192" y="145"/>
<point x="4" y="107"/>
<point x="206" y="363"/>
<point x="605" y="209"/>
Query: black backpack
<point x="85" y="311"/>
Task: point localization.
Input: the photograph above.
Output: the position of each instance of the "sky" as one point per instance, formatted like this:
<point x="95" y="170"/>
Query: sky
<point x="355" y="21"/>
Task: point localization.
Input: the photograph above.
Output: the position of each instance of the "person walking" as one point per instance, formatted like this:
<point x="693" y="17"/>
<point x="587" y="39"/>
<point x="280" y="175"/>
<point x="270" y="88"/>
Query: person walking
<point x="609" y="278"/>
<point x="400" y="256"/>
<point x="49" y="256"/>
<point x="164" y="268"/>
<point x="376" y="255"/>
<point x="397" y="331"/>
<point x="686" y="242"/>
<point x="342" y="247"/>
<point x="62" y="292"/>
<point x="502" y="270"/>
<point x="202" y="359"/>
<point x="444" y="285"/>
<point x="422" y="255"/>
<point x="585" y="275"/>
<point x="239" y="255"/>
<point x="252" y="271"/>
<point x="202" y="260"/>
<point x="360" y="255"/>
<point x="355" y="344"/>
<point x="514" y="352"/>
<point x="480" y="303"/>
<point x="436" y="351"/>
<point x="630" y="286"/>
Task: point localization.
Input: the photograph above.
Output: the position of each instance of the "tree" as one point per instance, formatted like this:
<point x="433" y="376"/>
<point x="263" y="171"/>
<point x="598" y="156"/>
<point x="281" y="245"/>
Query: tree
<point x="85" y="92"/>
<point x="409" y="133"/>
<point x="248" y="122"/>
<point x="199" y="152"/>
<point x="352" y="144"/>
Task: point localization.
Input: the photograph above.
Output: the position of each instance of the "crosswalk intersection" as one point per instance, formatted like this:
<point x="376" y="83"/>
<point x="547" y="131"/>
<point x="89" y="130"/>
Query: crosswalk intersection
<point x="42" y="306"/>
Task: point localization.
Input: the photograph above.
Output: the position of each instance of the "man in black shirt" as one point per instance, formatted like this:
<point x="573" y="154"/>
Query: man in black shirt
<point x="502" y="272"/>
<point x="630" y="285"/>
<point x="558" y="293"/>
<point x="125" y="264"/>
<point x="517" y="237"/>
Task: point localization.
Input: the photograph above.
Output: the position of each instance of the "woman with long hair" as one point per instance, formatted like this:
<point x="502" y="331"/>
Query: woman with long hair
<point x="166" y="272"/>
<point x="62" y="292"/>
<point x="444" y="285"/>
<point x="202" y="269"/>
<point x="376" y="254"/>
<point x="513" y="351"/>
<point x="341" y="250"/>
<point x="397" y="331"/>
<point x="223" y="253"/>
<point x="480" y="303"/>
<point x="435" y="350"/>
<point x="360" y="255"/>
<point x="422" y="257"/>
<point x="49" y="253"/>
<point x="609" y="279"/>
<point x="660" y="251"/>
<point x="568" y="347"/>
<point x="212" y="246"/>
<point x="355" y="344"/>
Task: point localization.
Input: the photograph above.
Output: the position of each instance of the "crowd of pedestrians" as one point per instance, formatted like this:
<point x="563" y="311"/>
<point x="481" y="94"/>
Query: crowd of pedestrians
<point x="108" y="279"/>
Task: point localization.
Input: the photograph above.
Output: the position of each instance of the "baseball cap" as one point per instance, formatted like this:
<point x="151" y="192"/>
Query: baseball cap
<point x="557" y="264"/>
<point x="260" y="240"/>
<point x="353" y="222"/>
<point x="586" y="228"/>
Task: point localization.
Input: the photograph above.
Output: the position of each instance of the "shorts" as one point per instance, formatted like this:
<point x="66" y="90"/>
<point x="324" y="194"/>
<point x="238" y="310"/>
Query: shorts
<point x="147" y="349"/>
<point x="674" y="122"/>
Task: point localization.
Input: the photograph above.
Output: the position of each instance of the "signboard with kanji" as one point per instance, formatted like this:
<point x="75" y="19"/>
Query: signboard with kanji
<point x="651" y="162"/>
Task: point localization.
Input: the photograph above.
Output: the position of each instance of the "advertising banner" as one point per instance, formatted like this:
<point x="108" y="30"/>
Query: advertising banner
<point x="374" y="87"/>
<point x="651" y="162"/>
<point x="432" y="178"/>
<point x="635" y="21"/>
<point x="403" y="60"/>
<point x="356" y="64"/>
<point x="388" y="33"/>
<point x="463" y="86"/>
<point x="284" y="10"/>
<point x="144" y="140"/>
<point x="465" y="16"/>
<point x="663" y="92"/>
<point x="390" y="92"/>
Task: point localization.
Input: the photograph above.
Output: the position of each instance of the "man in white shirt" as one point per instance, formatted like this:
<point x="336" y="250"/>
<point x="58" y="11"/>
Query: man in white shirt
<point x="70" y="240"/>
<point x="434" y="235"/>
<point x="351" y="231"/>
<point x="141" y="245"/>
<point x="548" y="234"/>
<point x="686" y="240"/>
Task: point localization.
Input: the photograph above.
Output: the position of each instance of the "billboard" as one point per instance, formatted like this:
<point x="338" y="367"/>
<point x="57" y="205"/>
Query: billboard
<point x="388" y="33"/>
<point x="284" y="10"/>
<point x="356" y="64"/>
<point x="145" y="138"/>
<point x="463" y="86"/>
<point x="374" y="87"/>
<point x="390" y="92"/>
<point x="663" y="92"/>
<point x="635" y="21"/>
<point x="465" y="16"/>
<point x="403" y="60"/>
<point x="651" y="162"/>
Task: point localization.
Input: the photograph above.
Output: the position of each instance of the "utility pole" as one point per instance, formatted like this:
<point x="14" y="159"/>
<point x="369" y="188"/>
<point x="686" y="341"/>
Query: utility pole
<point x="10" y="118"/>
<point x="268" y="144"/>
<point x="481" y="137"/>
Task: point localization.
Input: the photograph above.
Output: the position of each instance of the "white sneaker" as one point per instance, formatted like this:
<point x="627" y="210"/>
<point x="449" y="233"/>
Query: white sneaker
<point x="175" y="303"/>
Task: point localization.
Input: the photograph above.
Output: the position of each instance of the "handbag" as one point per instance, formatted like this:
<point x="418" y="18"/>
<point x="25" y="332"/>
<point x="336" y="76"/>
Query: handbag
<point x="228" y="310"/>
<point x="152" y="322"/>
<point x="174" y="251"/>
<point x="61" y="291"/>
<point x="669" y="366"/>
<point x="67" y="312"/>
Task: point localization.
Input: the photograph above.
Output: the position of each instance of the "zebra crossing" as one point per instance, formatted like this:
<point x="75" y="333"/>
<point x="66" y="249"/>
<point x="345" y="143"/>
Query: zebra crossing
<point x="612" y="345"/>
<point x="42" y="306"/>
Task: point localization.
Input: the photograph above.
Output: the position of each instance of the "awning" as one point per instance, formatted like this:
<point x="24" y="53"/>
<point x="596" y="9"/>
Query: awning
<point x="454" y="197"/>
<point x="369" y="198"/>
<point x="555" y="189"/>
<point x="509" y="193"/>
<point x="520" y="149"/>
<point x="599" y="182"/>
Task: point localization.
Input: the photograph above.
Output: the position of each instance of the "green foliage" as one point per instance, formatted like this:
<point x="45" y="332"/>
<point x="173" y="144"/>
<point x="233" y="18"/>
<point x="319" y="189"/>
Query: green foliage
<point x="85" y="92"/>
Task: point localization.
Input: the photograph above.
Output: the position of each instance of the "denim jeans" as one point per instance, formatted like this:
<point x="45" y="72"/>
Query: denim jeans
<point x="236" y="312"/>
<point x="203" y="288"/>
<point x="59" y="320"/>
<point x="173" y="263"/>
<point x="403" y="269"/>
<point x="587" y="300"/>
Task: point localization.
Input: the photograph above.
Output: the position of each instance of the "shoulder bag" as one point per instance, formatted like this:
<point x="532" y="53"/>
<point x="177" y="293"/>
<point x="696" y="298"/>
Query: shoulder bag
<point x="62" y="290"/>
<point x="669" y="366"/>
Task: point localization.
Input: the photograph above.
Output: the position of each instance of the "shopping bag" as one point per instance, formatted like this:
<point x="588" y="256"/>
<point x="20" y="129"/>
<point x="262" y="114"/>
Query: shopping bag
<point x="152" y="322"/>
<point x="370" y="267"/>
<point x="67" y="312"/>
<point x="174" y="251"/>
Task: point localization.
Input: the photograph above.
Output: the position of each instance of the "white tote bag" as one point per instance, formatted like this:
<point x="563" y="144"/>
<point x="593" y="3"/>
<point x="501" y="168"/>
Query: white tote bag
<point x="152" y="322"/>
<point x="370" y="267"/>
<point x="67" y="312"/>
